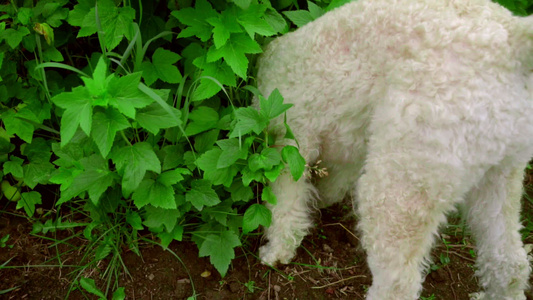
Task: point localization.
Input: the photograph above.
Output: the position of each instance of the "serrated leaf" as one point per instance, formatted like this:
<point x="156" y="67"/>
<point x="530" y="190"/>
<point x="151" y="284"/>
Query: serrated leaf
<point x="168" y="237"/>
<point x="219" y="248"/>
<point x="119" y="294"/>
<point x="299" y="17"/>
<point x="123" y="93"/>
<point x="248" y="176"/>
<point x="242" y="3"/>
<point x="239" y="192"/>
<point x="337" y="3"/>
<point x="314" y="10"/>
<point x="14" y="166"/>
<point x="196" y="20"/>
<point x="216" y="75"/>
<point x="37" y="172"/>
<point x="95" y="179"/>
<point x="268" y="196"/>
<point x="133" y="162"/>
<point x="134" y="219"/>
<point x="155" y="193"/>
<point x="162" y="67"/>
<point x="248" y="120"/>
<point x="28" y="201"/>
<point x="201" y="194"/>
<point x="296" y="162"/>
<point x="265" y="160"/>
<point x="254" y="216"/>
<point x="232" y="151"/>
<point x="274" y="106"/>
<point x="15" y="124"/>
<point x="78" y="112"/>
<point x="13" y="37"/>
<point x="252" y="19"/>
<point x="105" y="127"/>
<point x="89" y="285"/>
<point x="154" y="118"/>
<point x="204" y="118"/>
<point x="208" y="163"/>
<point x="156" y="217"/>
<point x="234" y="53"/>
<point x="115" y="21"/>
<point x="223" y="25"/>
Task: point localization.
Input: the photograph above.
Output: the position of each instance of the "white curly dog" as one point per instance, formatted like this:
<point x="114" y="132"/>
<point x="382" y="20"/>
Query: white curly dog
<point x="414" y="106"/>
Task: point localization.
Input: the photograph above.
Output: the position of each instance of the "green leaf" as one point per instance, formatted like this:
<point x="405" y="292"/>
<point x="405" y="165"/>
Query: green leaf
<point x="14" y="166"/>
<point x="134" y="219"/>
<point x="203" y="119"/>
<point x="254" y="216"/>
<point x="171" y="177"/>
<point x="133" y="162"/>
<point x="219" y="248"/>
<point x="242" y="3"/>
<point x="248" y="176"/>
<point x="95" y="179"/>
<point x="314" y="10"/>
<point x="276" y="21"/>
<point x="78" y="112"/>
<point x="156" y="217"/>
<point x="248" y="120"/>
<point x="105" y="127"/>
<point x="119" y="294"/>
<point x="155" y="193"/>
<point x="295" y="161"/>
<point x="253" y="21"/>
<point x="337" y="3"/>
<point x="202" y="194"/>
<point x="168" y="237"/>
<point x="239" y="192"/>
<point x="196" y="20"/>
<point x="13" y="37"/>
<point x="232" y="151"/>
<point x="274" y="106"/>
<point x="299" y="17"/>
<point x="24" y="14"/>
<point x="213" y="77"/>
<point x="267" y="159"/>
<point x="208" y="163"/>
<point x="37" y="172"/>
<point x="234" y="53"/>
<point x="15" y="124"/>
<point x="223" y="26"/>
<point x="268" y="196"/>
<point x="115" y="21"/>
<point x="154" y="117"/>
<point x="76" y="16"/>
<point x="162" y="67"/>
<point x="28" y="201"/>
<point x="123" y="93"/>
<point x="89" y="285"/>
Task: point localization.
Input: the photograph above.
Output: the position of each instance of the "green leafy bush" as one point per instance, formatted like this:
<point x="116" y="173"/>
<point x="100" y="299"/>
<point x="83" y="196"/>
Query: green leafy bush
<point x="132" y="116"/>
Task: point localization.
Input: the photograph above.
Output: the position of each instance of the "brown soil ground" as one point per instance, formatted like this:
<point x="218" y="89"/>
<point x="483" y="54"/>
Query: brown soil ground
<point x="329" y="265"/>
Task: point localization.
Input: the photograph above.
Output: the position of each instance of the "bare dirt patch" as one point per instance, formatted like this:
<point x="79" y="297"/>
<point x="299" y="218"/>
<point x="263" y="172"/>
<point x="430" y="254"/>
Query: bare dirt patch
<point x="329" y="265"/>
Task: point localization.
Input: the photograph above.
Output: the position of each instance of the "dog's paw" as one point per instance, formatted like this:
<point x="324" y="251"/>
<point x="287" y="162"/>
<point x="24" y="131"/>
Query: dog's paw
<point x="270" y="255"/>
<point x="477" y="296"/>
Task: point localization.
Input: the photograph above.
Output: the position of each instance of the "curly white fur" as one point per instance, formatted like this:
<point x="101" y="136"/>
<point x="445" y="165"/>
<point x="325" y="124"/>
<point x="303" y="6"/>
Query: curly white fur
<point x="414" y="106"/>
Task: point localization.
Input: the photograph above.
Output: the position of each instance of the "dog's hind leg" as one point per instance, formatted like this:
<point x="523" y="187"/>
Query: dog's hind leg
<point x="400" y="208"/>
<point x="493" y="209"/>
